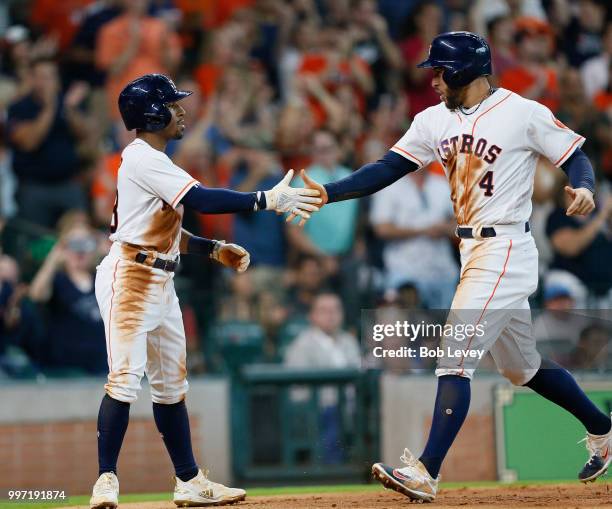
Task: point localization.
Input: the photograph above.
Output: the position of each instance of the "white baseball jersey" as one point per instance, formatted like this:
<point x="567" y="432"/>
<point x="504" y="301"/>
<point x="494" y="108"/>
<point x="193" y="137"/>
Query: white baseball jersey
<point x="490" y="155"/>
<point x="141" y="313"/>
<point x="149" y="190"/>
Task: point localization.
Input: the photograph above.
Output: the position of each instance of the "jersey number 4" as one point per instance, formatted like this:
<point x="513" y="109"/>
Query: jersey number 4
<point x="486" y="183"/>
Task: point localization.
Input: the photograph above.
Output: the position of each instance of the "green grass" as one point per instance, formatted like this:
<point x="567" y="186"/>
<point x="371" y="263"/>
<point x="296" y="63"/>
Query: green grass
<point x="83" y="500"/>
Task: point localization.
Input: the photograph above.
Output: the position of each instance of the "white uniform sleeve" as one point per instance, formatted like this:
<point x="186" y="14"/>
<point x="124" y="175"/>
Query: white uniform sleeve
<point x="416" y="145"/>
<point x="162" y="178"/>
<point x="548" y="136"/>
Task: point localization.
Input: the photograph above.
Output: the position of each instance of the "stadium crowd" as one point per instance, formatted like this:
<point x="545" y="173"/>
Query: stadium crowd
<point x="325" y="85"/>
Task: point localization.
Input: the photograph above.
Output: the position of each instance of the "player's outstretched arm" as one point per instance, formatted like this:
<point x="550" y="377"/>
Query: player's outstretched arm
<point x="582" y="184"/>
<point x="367" y="180"/>
<point x="281" y="198"/>
<point x="231" y="255"/>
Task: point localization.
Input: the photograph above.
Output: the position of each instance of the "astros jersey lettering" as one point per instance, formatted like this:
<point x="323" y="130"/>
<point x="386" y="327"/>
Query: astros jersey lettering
<point x="490" y="155"/>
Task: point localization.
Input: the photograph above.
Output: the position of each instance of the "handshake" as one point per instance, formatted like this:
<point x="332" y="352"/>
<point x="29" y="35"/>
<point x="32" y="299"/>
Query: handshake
<point x="282" y="198"/>
<point x="297" y="201"/>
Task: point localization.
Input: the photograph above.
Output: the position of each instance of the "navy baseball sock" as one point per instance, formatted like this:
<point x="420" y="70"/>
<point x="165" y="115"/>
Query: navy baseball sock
<point x="452" y="404"/>
<point x="113" y="419"/>
<point x="173" y="424"/>
<point x="556" y="384"/>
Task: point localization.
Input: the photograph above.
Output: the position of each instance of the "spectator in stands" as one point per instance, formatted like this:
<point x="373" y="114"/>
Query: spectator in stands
<point x="557" y="327"/>
<point x="325" y="345"/>
<point x="372" y="42"/>
<point x="501" y="32"/>
<point x="134" y="44"/>
<point x="65" y="283"/>
<point x="533" y="77"/>
<point x="581" y="38"/>
<point x="414" y="217"/>
<point x="580" y="115"/>
<point x="326" y="234"/>
<point x="81" y="54"/>
<point x="423" y="24"/>
<point x="45" y="129"/>
<point x="302" y="40"/>
<point x="8" y="183"/>
<point x="305" y="282"/>
<point x="20" y="327"/>
<point x="103" y="191"/>
<point x="582" y="246"/>
<point x="262" y="235"/>
<point x="593" y="349"/>
<point x="325" y="71"/>
<point x="595" y="71"/>
<point x="15" y="54"/>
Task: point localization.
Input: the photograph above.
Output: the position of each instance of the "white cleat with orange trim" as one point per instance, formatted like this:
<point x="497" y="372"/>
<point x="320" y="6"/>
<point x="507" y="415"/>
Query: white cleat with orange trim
<point x="413" y="480"/>
<point x="600" y="449"/>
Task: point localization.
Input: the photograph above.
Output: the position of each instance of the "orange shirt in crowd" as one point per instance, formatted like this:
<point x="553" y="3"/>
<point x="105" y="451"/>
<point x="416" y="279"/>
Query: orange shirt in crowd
<point x="59" y="18"/>
<point x="207" y="76"/>
<point x="519" y="80"/>
<point x="603" y="100"/>
<point x="104" y="184"/>
<point x="317" y="64"/>
<point x="112" y="43"/>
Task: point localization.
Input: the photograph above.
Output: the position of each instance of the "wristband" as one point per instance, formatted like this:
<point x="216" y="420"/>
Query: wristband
<point x="200" y="245"/>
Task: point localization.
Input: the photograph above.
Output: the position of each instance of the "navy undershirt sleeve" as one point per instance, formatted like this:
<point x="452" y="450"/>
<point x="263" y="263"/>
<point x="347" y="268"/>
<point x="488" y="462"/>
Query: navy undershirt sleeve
<point x="221" y="201"/>
<point x="579" y="170"/>
<point x="370" y="178"/>
<point x="200" y="245"/>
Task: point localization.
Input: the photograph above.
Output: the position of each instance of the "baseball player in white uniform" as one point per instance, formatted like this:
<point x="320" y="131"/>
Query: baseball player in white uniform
<point x="489" y="141"/>
<point x="135" y="285"/>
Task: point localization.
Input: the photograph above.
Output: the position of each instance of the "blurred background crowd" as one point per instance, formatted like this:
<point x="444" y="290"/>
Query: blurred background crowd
<point x="326" y="85"/>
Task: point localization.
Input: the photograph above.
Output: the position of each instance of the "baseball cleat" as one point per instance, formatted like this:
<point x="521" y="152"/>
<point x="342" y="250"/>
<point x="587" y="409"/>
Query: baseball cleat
<point x="413" y="480"/>
<point x="200" y="491"/>
<point x="599" y="447"/>
<point x="105" y="493"/>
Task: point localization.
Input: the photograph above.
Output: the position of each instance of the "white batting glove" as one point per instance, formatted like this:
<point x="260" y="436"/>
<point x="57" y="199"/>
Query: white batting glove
<point x="298" y="201"/>
<point x="231" y="255"/>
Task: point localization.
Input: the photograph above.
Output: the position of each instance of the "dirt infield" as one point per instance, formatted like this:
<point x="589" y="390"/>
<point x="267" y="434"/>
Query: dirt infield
<point x="535" y="496"/>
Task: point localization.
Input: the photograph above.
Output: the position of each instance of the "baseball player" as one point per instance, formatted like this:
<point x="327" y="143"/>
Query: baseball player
<point x="135" y="288"/>
<point x="488" y="141"/>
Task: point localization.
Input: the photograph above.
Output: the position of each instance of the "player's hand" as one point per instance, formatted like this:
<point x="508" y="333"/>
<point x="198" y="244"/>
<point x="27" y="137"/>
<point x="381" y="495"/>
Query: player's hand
<point x="231" y="255"/>
<point x="311" y="184"/>
<point x="297" y="201"/>
<point x="582" y="201"/>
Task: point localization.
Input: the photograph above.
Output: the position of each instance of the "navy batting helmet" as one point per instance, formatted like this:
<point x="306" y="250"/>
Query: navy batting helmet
<point x="463" y="55"/>
<point x="142" y="102"/>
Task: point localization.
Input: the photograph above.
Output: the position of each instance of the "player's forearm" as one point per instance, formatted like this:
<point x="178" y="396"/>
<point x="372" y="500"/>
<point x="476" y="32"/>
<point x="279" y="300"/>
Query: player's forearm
<point x="192" y="244"/>
<point x="223" y="201"/>
<point x="579" y="171"/>
<point x="370" y="178"/>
